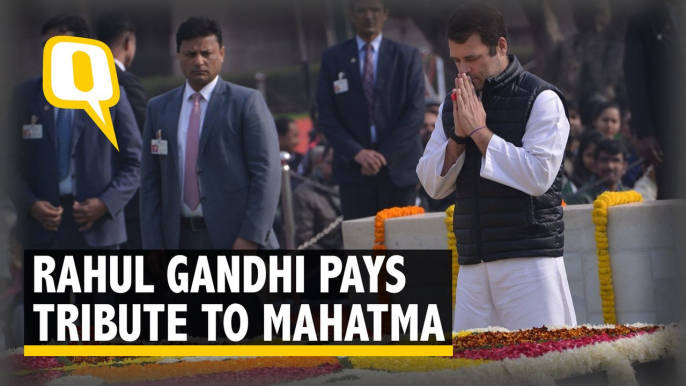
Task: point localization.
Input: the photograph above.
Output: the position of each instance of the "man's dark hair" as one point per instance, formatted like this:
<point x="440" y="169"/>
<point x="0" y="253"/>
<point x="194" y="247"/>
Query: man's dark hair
<point x="433" y="101"/>
<point x="572" y="105"/>
<point x="282" y="124"/>
<point x="197" y="27"/>
<point x="68" y="23"/>
<point x="112" y="26"/>
<point x="353" y="3"/>
<point x="611" y="147"/>
<point x="477" y="18"/>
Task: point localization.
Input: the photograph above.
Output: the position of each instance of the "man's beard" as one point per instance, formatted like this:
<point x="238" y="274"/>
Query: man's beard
<point x="493" y="70"/>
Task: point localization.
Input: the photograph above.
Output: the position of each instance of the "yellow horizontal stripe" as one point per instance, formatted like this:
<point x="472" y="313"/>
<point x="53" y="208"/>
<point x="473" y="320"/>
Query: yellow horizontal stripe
<point x="237" y="350"/>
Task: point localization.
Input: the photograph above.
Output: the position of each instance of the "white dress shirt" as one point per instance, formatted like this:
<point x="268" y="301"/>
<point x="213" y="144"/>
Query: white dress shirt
<point x="376" y="43"/>
<point x="119" y="64"/>
<point x="531" y="168"/>
<point x="184" y="116"/>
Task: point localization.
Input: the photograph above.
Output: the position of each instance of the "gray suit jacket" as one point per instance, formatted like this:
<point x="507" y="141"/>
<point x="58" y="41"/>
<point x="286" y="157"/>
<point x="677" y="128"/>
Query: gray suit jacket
<point x="100" y="170"/>
<point x="238" y="169"/>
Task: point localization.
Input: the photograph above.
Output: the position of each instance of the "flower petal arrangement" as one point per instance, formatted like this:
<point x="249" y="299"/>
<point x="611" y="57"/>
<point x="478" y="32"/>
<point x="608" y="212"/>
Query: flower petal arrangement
<point x="490" y="356"/>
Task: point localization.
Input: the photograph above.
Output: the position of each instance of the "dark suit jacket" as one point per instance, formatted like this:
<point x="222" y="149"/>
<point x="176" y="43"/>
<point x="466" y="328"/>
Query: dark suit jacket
<point x="399" y="110"/>
<point x="139" y="104"/>
<point x="100" y="170"/>
<point x="135" y="94"/>
<point x="238" y="169"/>
<point x="654" y="70"/>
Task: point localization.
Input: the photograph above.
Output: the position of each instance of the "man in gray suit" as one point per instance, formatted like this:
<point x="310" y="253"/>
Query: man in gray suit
<point x="73" y="184"/>
<point x="210" y="169"/>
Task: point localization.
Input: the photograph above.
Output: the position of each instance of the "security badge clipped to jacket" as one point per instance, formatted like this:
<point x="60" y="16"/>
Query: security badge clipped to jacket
<point x="158" y="146"/>
<point x="32" y="130"/>
<point x="341" y="85"/>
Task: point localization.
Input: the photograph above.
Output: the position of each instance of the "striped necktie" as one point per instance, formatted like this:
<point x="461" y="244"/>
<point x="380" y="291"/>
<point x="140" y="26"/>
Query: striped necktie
<point x="368" y="80"/>
<point x="64" y="131"/>
<point x="191" y="190"/>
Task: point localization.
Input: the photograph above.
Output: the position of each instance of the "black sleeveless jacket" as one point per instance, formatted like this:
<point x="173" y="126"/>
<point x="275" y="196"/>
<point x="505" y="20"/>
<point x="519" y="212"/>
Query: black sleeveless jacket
<point x="493" y="221"/>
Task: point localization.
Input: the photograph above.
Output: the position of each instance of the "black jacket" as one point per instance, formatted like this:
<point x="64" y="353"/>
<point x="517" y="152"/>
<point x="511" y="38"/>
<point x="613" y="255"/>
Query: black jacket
<point x="139" y="104"/>
<point x="654" y="71"/>
<point x="315" y="209"/>
<point x="493" y="221"/>
<point x="654" y="56"/>
<point x="135" y="94"/>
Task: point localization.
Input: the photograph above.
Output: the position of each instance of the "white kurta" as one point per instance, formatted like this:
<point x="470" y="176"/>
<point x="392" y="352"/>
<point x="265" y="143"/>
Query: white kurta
<point x="513" y="293"/>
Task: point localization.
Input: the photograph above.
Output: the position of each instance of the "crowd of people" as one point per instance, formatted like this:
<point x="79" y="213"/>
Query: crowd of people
<point x="199" y="166"/>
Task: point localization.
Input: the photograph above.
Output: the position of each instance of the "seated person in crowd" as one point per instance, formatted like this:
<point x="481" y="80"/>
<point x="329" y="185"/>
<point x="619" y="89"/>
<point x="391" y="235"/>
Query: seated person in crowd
<point x="610" y="166"/>
<point x="289" y="139"/>
<point x="589" y="106"/>
<point x="428" y="127"/>
<point x="584" y="163"/>
<point x="576" y="129"/>
<point x="608" y="120"/>
<point x="317" y="204"/>
<point x="433" y="104"/>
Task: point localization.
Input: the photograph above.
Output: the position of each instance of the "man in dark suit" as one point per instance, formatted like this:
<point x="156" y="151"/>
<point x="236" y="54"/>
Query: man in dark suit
<point x="371" y="107"/>
<point x="73" y="184"/>
<point x="211" y="167"/>
<point x="119" y="33"/>
<point x="654" y="56"/>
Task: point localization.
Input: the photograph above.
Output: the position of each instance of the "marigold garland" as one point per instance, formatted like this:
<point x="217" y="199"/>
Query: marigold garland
<point x="382" y="215"/>
<point x="380" y="245"/>
<point x="452" y="245"/>
<point x="600" y="219"/>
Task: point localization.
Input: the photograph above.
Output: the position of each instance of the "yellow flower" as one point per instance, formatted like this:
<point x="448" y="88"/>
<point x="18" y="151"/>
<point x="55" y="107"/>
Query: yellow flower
<point x="600" y="219"/>
<point x="452" y="245"/>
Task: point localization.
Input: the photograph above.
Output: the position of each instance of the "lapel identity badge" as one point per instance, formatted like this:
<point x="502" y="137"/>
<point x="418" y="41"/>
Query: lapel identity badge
<point x="341" y="85"/>
<point x="159" y="146"/>
<point x="32" y="130"/>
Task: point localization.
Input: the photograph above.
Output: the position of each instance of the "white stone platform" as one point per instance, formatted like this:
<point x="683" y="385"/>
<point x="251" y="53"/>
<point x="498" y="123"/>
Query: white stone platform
<point x="646" y="240"/>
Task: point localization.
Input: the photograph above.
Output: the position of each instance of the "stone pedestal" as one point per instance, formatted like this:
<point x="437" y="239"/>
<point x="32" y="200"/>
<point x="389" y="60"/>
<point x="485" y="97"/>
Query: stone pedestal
<point x="645" y="244"/>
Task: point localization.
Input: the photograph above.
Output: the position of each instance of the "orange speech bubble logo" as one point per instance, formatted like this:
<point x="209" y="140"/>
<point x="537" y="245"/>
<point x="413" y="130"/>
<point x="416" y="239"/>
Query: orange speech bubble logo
<point x="80" y="73"/>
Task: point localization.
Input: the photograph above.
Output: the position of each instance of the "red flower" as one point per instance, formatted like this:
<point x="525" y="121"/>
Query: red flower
<point x="533" y="349"/>
<point x="20" y="362"/>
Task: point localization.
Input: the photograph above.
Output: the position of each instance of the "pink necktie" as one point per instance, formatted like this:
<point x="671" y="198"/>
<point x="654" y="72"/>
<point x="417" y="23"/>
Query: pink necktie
<point x="191" y="192"/>
<point x="368" y="80"/>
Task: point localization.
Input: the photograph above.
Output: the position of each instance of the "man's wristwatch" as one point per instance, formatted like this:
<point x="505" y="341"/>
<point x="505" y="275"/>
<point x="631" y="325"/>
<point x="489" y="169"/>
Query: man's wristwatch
<point x="458" y="139"/>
